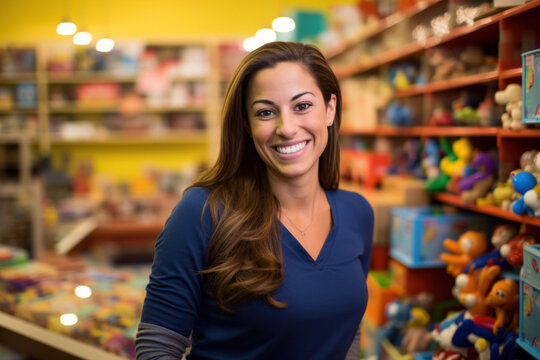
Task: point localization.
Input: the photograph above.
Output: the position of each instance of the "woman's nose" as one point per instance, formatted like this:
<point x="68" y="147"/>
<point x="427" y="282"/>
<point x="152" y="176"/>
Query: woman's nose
<point x="286" y="125"/>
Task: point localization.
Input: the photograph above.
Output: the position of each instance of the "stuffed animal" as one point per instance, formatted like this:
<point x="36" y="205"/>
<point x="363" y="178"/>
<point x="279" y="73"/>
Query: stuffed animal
<point x="504" y="298"/>
<point x="469" y="246"/>
<point x="478" y="184"/>
<point x="523" y="182"/>
<point x="511" y="98"/>
<point x="513" y="250"/>
<point x="472" y="289"/>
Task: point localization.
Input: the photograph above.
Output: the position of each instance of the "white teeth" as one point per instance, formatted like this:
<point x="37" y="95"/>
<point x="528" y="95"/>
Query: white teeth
<point x="290" y="149"/>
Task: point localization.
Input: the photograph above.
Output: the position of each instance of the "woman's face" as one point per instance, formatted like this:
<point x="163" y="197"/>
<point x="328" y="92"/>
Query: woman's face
<point x="288" y="119"/>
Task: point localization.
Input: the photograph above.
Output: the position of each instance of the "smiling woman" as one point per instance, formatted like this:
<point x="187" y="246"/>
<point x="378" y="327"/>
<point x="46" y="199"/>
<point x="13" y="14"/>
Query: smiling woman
<point x="264" y="257"/>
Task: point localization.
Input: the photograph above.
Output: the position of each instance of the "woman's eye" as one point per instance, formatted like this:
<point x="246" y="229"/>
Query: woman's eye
<point x="265" y="113"/>
<point x="303" y="106"/>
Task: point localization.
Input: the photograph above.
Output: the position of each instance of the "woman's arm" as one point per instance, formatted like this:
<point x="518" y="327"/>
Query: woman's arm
<point x="156" y="342"/>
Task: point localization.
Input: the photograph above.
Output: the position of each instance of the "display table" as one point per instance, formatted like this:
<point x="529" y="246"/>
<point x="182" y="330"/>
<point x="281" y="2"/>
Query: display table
<point x="44" y="313"/>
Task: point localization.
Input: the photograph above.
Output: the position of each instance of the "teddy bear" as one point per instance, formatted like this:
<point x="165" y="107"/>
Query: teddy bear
<point x="511" y="98"/>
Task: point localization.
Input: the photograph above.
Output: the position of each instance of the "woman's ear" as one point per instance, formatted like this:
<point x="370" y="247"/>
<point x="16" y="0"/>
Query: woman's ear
<point x="331" y="110"/>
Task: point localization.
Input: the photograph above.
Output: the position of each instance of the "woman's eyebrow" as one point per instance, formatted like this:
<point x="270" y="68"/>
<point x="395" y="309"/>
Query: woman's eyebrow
<point x="270" y="102"/>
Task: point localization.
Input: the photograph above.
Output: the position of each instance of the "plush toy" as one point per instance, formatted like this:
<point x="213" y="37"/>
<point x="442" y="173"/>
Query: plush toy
<point x="472" y="289"/>
<point x="513" y="250"/>
<point x="469" y="246"/>
<point x="530" y="161"/>
<point x="504" y="298"/>
<point x="399" y="114"/>
<point x="511" y="97"/>
<point x="415" y="337"/>
<point x="502" y="234"/>
<point x="523" y="181"/>
<point x="478" y="184"/>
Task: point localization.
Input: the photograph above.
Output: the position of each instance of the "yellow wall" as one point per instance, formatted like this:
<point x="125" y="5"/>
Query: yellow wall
<point x="124" y="19"/>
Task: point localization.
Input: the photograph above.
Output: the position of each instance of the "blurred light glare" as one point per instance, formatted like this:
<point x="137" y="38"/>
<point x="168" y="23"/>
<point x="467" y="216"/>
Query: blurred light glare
<point x="283" y="24"/>
<point x="251" y="43"/>
<point x="66" y="27"/>
<point x="83" y="291"/>
<point x="105" y="45"/>
<point x="265" y="35"/>
<point x="68" y="319"/>
<point x="82" y="38"/>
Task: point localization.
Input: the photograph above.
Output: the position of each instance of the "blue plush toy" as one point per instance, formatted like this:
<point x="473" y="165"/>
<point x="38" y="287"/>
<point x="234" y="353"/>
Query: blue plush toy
<point x="522" y="181"/>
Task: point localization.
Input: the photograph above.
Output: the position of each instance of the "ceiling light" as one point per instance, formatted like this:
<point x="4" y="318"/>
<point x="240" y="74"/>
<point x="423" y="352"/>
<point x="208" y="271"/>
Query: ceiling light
<point x="283" y="24"/>
<point x="82" y="38"/>
<point x="251" y="43"/>
<point x="265" y="35"/>
<point x="105" y="45"/>
<point x="66" y="27"/>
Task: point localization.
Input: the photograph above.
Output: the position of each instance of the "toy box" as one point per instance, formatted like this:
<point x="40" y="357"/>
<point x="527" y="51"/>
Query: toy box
<point x="529" y="307"/>
<point x="418" y="233"/>
<point x="413" y="281"/>
<point x="531" y="86"/>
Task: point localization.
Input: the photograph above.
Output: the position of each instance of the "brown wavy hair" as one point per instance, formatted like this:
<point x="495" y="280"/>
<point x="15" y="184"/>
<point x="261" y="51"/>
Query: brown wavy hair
<point x="244" y="258"/>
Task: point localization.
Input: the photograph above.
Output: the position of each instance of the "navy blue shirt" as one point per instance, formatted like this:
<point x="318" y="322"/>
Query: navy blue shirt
<point x="326" y="298"/>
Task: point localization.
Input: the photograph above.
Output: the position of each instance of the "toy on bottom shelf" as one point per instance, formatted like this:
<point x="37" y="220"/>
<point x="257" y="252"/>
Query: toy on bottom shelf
<point x="512" y="251"/>
<point x="469" y="246"/>
<point x="472" y="289"/>
<point x="504" y="298"/>
<point x="511" y="98"/>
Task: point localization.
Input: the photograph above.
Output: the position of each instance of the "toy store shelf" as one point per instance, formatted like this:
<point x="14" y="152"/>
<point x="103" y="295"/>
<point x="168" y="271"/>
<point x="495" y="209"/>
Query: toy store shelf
<point x="17" y="78"/>
<point x="489" y="23"/>
<point x="19" y="111"/>
<point x="511" y="73"/>
<point x="115" y="109"/>
<point x="383" y="24"/>
<point x="83" y="77"/>
<point x="449" y="84"/>
<point x="42" y="343"/>
<point x="10" y="190"/>
<point x="172" y="137"/>
<point x="78" y="77"/>
<point x="13" y="137"/>
<point x="426" y="131"/>
<point x="489" y="210"/>
<point x="524" y="133"/>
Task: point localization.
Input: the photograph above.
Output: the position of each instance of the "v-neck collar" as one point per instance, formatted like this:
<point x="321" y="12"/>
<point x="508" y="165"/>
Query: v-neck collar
<point x="288" y="237"/>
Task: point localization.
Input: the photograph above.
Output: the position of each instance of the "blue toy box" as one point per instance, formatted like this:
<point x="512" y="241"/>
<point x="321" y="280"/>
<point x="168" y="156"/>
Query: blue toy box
<point x="531" y="86"/>
<point x="418" y="233"/>
<point x="529" y="306"/>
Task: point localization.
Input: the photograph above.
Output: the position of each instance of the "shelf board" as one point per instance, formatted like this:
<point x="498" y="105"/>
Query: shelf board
<point x="455" y="200"/>
<point x="115" y="109"/>
<point x="9" y="79"/>
<point x="82" y="77"/>
<point x="458" y="82"/>
<point x="171" y="137"/>
<point x="10" y="190"/>
<point x="524" y="133"/>
<point x="77" y="77"/>
<point x="18" y="111"/>
<point x="511" y="73"/>
<point x="413" y="131"/>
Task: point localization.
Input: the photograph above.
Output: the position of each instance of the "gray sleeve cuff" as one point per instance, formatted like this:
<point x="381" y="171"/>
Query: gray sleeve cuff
<point x="156" y="342"/>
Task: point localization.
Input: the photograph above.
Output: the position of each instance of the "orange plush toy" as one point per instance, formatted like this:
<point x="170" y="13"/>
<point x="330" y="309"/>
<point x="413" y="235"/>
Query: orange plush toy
<point x="469" y="246"/>
<point x="472" y="289"/>
<point x="504" y="298"/>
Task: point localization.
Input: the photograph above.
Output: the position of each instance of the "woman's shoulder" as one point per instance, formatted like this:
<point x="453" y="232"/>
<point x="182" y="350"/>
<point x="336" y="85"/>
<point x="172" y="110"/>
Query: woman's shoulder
<point x="193" y="199"/>
<point x="349" y="198"/>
